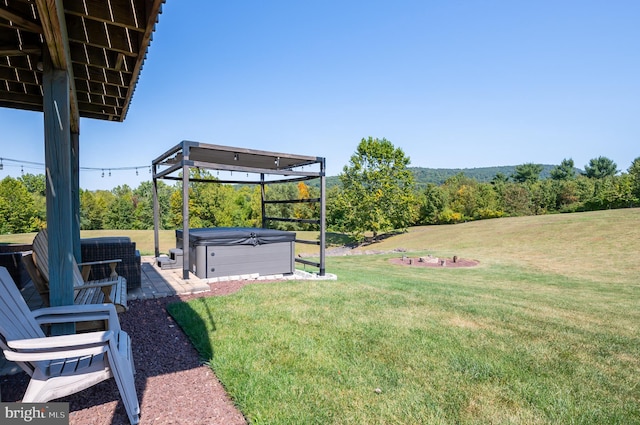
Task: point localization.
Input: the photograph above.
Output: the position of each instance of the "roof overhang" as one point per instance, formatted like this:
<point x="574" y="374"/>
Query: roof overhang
<point x="101" y="44"/>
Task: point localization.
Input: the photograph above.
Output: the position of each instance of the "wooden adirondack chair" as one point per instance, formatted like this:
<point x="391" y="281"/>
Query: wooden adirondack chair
<point x="64" y="365"/>
<point x="110" y="290"/>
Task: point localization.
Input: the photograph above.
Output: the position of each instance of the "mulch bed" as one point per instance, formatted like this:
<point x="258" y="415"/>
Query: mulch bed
<point x="434" y="262"/>
<point x="173" y="385"/>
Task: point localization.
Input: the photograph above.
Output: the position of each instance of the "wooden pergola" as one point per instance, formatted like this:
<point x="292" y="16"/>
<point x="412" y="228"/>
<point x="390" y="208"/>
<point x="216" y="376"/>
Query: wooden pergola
<point x="71" y="59"/>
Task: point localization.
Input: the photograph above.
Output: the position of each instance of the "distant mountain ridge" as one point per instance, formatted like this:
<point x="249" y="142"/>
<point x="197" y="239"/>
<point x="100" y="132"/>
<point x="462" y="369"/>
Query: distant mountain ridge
<point x="424" y="176"/>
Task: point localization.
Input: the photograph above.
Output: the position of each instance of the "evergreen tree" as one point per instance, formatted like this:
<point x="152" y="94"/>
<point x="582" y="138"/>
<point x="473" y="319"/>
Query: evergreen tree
<point x="564" y="171"/>
<point x="600" y="167"/>
<point x="527" y="173"/>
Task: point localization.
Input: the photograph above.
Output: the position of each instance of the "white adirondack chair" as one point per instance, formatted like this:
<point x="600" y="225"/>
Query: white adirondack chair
<point x="109" y="290"/>
<point x="64" y="365"/>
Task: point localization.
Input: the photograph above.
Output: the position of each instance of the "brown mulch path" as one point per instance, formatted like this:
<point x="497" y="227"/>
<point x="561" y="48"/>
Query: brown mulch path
<point x="173" y="385"/>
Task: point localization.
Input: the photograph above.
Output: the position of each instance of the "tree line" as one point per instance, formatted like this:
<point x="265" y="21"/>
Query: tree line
<point x="377" y="194"/>
<point x="23" y="205"/>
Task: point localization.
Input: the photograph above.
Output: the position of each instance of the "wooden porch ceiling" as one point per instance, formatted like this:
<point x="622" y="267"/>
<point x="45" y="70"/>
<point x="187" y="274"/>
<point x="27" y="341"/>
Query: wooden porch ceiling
<point x="101" y="43"/>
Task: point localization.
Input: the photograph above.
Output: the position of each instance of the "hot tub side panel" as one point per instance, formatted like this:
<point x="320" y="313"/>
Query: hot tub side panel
<point x="209" y="257"/>
<point x="269" y="259"/>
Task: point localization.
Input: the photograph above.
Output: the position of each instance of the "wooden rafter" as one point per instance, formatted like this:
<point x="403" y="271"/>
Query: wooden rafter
<point x="20" y="51"/>
<point x="19" y="21"/>
<point x="102" y="44"/>
<point x="146" y="39"/>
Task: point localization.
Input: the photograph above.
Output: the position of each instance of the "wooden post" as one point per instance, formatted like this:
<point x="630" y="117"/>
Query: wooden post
<point x="57" y="142"/>
<point x="75" y="194"/>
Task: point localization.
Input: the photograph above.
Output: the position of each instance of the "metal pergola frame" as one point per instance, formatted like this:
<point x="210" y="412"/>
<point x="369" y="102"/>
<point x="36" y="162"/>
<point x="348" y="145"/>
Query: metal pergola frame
<point x="280" y="167"/>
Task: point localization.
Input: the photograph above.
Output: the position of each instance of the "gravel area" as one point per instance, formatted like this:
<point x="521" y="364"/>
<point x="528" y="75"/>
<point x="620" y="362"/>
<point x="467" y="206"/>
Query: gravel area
<point x="173" y="385"/>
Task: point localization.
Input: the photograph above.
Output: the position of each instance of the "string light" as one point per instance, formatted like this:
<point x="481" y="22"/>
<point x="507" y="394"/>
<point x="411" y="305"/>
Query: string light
<point x="39" y="165"/>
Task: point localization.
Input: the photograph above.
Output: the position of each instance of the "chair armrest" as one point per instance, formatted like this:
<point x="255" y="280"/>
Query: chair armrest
<point x="79" y="313"/>
<point x="95" y="263"/>
<point x="58" y="347"/>
<point x="61" y="341"/>
<point x="86" y="267"/>
<point x="96" y="284"/>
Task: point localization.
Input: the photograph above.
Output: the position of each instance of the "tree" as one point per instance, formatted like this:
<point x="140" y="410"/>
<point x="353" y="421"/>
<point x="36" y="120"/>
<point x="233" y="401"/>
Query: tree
<point x="17" y="209"/>
<point x="120" y="213"/>
<point x="564" y="171"/>
<point x="35" y="184"/>
<point x="634" y="172"/>
<point x="600" y="167"/>
<point x="499" y="179"/>
<point x="433" y="202"/>
<point x="516" y="199"/>
<point x="143" y="202"/>
<point x="306" y="210"/>
<point x="527" y="173"/>
<point x="377" y="188"/>
<point x="37" y="187"/>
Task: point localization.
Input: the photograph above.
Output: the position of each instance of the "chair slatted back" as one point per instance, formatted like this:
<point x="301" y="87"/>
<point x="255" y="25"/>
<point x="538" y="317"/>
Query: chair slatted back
<point x="16" y="320"/>
<point x="41" y="258"/>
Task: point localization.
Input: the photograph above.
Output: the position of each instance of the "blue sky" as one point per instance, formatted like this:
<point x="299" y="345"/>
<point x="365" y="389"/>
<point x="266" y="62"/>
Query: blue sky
<point x="455" y="84"/>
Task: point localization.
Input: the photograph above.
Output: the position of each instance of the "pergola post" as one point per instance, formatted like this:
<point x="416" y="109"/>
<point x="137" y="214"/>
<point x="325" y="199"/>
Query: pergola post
<point x="263" y="198"/>
<point x="321" y="272"/>
<point x="156" y="214"/>
<point x="185" y="212"/>
<point x="58" y="160"/>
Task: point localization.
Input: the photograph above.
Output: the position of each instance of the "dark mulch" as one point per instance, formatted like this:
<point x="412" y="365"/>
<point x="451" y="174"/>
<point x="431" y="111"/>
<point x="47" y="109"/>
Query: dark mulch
<point x="173" y="385"/>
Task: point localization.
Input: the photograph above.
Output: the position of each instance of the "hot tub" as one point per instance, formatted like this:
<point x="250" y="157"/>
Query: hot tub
<point x="232" y="251"/>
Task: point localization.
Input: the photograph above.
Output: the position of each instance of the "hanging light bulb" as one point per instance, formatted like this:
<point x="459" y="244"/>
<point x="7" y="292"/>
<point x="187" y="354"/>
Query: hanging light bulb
<point x="22" y="169"/>
<point x="1" y="165"/>
<point x="103" y="173"/>
<point x="236" y="156"/>
<point x="109" y="173"/>
<point x="136" y="171"/>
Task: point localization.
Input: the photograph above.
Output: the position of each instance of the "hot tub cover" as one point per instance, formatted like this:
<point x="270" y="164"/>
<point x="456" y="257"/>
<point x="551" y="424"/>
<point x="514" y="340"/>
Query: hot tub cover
<point x="227" y="236"/>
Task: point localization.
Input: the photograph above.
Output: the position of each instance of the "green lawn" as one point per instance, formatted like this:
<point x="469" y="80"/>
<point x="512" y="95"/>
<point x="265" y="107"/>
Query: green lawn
<point x="545" y="330"/>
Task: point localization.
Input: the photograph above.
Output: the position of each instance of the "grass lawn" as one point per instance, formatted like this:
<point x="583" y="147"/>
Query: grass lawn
<point x="546" y="330"/>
